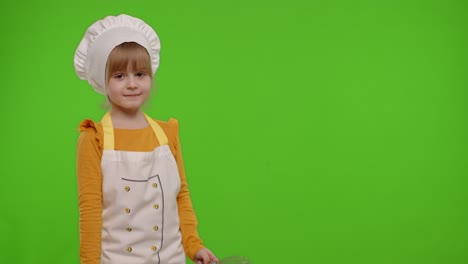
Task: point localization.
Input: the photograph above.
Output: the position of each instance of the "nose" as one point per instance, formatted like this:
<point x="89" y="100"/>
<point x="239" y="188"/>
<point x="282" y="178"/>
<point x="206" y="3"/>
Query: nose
<point x="131" y="82"/>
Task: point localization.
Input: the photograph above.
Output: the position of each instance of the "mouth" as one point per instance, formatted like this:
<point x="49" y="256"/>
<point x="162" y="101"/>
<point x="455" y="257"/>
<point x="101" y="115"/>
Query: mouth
<point x="132" y="95"/>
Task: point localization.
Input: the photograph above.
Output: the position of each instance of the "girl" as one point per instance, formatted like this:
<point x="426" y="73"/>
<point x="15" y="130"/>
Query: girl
<point x="133" y="196"/>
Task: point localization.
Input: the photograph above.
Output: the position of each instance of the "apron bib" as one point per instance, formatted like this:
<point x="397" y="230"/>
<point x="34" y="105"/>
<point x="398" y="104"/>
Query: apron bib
<point x="140" y="220"/>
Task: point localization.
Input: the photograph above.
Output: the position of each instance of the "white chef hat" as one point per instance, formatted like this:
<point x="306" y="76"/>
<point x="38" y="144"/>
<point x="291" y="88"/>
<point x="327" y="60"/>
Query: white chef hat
<point x="104" y="35"/>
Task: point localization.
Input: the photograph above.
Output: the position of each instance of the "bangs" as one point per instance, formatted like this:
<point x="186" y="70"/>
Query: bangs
<point x="128" y="55"/>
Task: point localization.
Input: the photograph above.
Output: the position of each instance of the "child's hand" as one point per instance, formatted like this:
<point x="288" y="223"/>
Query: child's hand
<point x="204" y="256"/>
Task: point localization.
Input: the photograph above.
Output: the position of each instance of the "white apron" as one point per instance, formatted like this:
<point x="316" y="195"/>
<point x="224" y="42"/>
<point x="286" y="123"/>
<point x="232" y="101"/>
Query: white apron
<point x="140" y="221"/>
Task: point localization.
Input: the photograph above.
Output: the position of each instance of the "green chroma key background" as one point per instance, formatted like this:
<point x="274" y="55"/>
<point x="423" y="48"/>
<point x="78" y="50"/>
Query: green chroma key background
<point x="313" y="131"/>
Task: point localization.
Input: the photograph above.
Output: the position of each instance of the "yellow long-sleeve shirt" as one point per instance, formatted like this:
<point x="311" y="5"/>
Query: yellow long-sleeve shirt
<point x="89" y="153"/>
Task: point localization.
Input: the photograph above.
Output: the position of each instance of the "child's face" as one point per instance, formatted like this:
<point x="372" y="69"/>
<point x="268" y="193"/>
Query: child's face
<point x="128" y="90"/>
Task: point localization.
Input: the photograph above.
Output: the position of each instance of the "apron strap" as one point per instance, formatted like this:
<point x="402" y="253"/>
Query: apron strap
<point x="108" y="130"/>
<point x="158" y="131"/>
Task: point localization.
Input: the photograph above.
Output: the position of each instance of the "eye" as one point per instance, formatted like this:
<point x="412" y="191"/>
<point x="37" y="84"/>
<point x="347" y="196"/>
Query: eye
<point x="119" y="76"/>
<point x="141" y="74"/>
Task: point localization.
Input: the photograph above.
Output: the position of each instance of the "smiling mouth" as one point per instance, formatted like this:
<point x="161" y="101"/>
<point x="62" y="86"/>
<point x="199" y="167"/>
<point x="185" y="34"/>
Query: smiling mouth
<point x="131" y="95"/>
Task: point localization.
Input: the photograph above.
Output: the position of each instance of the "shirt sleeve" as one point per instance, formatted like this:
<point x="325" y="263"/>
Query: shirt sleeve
<point x="89" y="175"/>
<point x="188" y="220"/>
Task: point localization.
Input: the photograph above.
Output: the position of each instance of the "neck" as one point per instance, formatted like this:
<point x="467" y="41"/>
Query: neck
<point x="128" y="119"/>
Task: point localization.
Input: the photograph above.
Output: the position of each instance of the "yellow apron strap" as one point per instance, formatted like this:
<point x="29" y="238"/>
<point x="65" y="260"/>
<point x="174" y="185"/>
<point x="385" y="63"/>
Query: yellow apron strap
<point x="158" y="131"/>
<point x="108" y="130"/>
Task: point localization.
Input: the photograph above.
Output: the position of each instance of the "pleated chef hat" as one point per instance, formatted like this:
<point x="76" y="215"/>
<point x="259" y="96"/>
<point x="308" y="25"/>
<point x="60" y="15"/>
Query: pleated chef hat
<point x="104" y="35"/>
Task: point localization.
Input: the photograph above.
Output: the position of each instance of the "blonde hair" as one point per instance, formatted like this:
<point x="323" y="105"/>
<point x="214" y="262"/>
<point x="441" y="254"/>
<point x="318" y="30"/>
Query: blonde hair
<point x="128" y="54"/>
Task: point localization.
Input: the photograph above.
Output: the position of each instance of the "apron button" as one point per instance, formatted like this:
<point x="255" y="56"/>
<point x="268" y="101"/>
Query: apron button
<point x="155" y="206"/>
<point x="155" y="185"/>
<point x="127" y="210"/>
<point x="129" y="249"/>
<point x="127" y="188"/>
<point x="129" y="229"/>
<point x="154" y="248"/>
<point x="155" y="228"/>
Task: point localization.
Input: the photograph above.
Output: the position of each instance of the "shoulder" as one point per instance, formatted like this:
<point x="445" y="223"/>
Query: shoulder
<point x="170" y="127"/>
<point x="90" y="132"/>
<point x="87" y="125"/>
